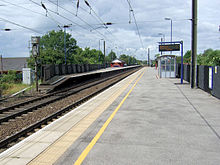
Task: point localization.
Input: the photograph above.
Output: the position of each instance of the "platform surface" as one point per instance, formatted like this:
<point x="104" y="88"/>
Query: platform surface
<point x="58" y="80"/>
<point x="158" y="122"/>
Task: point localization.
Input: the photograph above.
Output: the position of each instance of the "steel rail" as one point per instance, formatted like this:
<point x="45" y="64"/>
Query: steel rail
<point x="31" y="128"/>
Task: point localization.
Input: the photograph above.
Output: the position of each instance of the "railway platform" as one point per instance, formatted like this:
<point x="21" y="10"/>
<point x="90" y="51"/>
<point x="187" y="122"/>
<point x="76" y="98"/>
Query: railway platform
<point x="140" y="120"/>
<point x="63" y="80"/>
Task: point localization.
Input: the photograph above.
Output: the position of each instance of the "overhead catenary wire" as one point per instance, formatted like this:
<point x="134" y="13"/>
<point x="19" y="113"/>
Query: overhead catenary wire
<point x="96" y="17"/>
<point x="105" y="24"/>
<point x="59" y="15"/>
<point x="25" y="27"/>
<point x="67" y="18"/>
<point x="82" y="21"/>
<point x="48" y="16"/>
<point x="86" y="11"/>
<point x="13" y="4"/>
<point x="100" y="19"/>
<point x="131" y="9"/>
<point x="102" y="35"/>
<point x="55" y="18"/>
<point x="139" y="22"/>
<point x="72" y="14"/>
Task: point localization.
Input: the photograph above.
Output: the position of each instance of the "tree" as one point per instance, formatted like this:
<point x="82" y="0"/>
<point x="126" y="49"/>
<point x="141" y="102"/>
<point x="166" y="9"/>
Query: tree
<point x="187" y="57"/>
<point x="125" y="58"/>
<point x="209" y="57"/>
<point x="110" y="57"/>
<point x="52" y="48"/>
<point x="89" y="56"/>
<point x="157" y="55"/>
<point x="216" y="58"/>
<point x="128" y="59"/>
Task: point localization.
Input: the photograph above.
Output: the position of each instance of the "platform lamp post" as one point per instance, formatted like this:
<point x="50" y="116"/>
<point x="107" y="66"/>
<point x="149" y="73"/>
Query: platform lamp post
<point x="171" y="29"/>
<point x="65" y="26"/>
<point x="162" y="39"/>
<point x="104" y="53"/>
<point x="100" y="47"/>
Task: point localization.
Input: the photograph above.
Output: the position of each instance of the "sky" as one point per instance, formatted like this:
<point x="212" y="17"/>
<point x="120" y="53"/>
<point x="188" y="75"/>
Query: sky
<point x="28" y="18"/>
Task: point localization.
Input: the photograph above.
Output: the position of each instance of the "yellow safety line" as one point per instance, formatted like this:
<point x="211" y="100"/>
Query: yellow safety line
<point x="101" y="131"/>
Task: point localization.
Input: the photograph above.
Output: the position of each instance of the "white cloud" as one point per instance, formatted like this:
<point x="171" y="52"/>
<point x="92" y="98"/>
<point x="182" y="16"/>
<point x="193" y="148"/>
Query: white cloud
<point x="149" y="14"/>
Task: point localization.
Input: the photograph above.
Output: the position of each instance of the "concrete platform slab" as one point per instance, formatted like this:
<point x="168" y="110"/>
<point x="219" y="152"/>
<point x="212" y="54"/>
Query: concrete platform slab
<point x="160" y="122"/>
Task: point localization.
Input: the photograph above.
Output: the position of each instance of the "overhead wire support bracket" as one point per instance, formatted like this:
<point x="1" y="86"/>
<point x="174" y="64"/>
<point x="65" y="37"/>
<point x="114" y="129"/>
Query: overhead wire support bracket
<point x="44" y="7"/>
<point x="87" y="3"/>
<point x="77" y="7"/>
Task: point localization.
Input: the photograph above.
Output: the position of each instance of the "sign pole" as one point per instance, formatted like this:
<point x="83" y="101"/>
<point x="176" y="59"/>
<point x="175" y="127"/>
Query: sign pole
<point x="173" y="46"/>
<point x="148" y="57"/>
<point x="181" y="62"/>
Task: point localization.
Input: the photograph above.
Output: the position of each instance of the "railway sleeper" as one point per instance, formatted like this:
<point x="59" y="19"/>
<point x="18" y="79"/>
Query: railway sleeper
<point x="44" y="121"/>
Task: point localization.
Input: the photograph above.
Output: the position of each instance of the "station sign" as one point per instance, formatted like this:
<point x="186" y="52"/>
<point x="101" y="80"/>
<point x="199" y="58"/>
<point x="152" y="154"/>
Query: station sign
<point x="170" y="47"/>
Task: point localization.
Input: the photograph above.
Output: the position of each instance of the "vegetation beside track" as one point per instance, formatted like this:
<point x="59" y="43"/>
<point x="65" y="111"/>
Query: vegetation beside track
<point x="11" y="83"/>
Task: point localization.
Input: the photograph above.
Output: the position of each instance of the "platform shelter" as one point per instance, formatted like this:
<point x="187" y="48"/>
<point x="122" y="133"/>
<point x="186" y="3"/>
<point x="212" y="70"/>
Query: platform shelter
<point x="167" y="66"/>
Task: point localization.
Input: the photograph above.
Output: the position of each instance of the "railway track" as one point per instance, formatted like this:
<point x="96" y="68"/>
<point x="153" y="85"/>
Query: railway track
<point x="24" y="107"/>
<point x="21" y="102"/>
<point x="14" y="112"/>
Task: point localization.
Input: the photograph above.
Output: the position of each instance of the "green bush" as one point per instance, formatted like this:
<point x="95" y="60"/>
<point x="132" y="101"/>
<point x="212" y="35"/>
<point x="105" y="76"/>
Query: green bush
<point x="4" y="86"/>
<point x="7" y="79"/>
<point x="10" y="78"/>
<point x="18" y="77"/>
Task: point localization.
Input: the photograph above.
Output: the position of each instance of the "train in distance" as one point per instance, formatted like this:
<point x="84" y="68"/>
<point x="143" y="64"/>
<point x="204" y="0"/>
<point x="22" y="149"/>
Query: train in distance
<point x="118" y="63"/>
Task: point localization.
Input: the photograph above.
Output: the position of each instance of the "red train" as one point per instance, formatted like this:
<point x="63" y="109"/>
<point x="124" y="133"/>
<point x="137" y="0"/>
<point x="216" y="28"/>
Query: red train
<point x="117" y="63"/>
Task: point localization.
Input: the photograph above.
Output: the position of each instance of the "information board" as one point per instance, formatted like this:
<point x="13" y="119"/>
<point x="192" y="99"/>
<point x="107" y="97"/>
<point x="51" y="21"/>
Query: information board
<point x="171" y="47"/>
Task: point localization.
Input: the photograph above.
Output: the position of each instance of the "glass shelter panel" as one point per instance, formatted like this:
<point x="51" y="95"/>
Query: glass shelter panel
<point x="167" y="66"/>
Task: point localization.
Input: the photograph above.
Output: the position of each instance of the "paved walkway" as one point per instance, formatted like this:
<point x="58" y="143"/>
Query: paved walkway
<point x="159" y="123"/>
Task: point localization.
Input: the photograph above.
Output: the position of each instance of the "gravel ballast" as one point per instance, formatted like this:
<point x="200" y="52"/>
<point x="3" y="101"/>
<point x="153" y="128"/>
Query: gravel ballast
<point x="12" y="126"/>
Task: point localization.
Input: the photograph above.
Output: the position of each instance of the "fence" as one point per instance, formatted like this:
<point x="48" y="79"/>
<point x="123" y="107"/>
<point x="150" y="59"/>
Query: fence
<point x="49" y="71"/>
<point x="202" y="80"/>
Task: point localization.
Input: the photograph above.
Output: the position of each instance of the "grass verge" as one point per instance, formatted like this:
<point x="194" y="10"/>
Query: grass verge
<point x="13" y="88"/>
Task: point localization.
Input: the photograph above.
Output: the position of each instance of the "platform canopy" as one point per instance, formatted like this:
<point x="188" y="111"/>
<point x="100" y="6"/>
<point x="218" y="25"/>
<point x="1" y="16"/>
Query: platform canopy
<point x="116" y="61"/>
